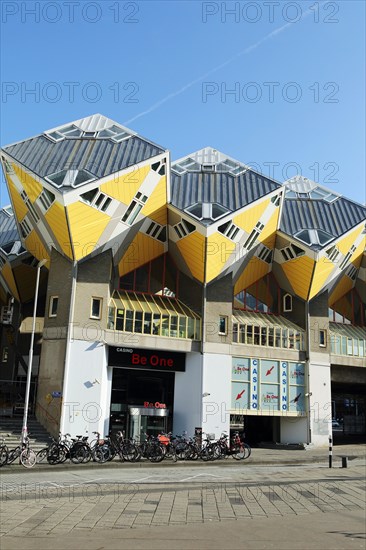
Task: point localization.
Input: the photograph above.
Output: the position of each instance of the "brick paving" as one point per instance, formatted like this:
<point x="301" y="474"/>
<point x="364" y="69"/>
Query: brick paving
<point x="61" y="510"/>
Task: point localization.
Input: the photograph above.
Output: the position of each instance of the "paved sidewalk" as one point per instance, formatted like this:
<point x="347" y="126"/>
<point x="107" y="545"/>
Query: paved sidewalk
<point x="278" y="499"/>
<point x="259" y="456"/>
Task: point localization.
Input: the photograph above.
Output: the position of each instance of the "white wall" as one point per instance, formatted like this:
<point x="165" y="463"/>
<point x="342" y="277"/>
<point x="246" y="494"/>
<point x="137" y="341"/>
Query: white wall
<point x="294" y="430"/>
<point x="216" y="382"/>
<point x="86" y="399"/>
<point x="188" y="396"/>
<point x="320" y="403"/>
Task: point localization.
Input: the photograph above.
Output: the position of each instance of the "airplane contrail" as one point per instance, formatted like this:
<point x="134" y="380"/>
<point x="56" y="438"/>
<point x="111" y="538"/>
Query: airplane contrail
<point x="247" y="50"/>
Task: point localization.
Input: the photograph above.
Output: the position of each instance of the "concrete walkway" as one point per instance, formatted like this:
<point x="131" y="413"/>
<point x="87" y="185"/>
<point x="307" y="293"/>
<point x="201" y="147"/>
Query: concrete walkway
<point x="279" y="499"/>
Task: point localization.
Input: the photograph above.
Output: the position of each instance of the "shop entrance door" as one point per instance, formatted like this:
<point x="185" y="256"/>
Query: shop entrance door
<point x="150" y="421"/>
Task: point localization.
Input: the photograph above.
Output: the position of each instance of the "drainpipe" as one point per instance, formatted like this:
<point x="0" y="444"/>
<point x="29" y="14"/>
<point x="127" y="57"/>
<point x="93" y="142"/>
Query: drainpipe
<point x="68" y="350"/>
<point x="203" y="334"/>
<point x="308" y="341"/>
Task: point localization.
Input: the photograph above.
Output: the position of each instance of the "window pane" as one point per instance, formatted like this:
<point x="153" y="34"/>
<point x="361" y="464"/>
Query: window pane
<point x="96" y="307"/>
<point x="182" y="327"/>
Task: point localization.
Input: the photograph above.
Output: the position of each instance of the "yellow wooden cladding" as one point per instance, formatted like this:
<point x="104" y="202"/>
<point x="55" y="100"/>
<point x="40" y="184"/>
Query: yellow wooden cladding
<point x="20" y="210"/>
<point x="299" y="272"/>
<point x="86" y="227"/>
<point x="156" y="206"/>
<point x="56" y="218"/>
<point x="248" y="219"/>
<point x="323" y="269"/>
<point x="219" y="249"/>
<point x="344" y="286"/>
<point x="32" y="187"/>
<point x="270" y="227"/>
<point x="8" y="275"/>
<point x="254" y="270"/>
<point x="124" y="187"/>
<point x="345" y="244"/>
<point x="192" y="249"/>
<point x="35" y="246"/>
<point x="142" y="249"/>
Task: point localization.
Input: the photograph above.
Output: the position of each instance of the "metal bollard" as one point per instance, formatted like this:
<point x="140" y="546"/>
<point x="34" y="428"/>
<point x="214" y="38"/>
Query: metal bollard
<point x="330" y="451"/>
<point x="344" y="461"/>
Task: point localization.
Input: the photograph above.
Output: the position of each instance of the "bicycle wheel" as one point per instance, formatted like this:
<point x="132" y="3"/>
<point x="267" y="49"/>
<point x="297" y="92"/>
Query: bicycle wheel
<point x="3" y="456"/>
<point x="130" y="452"/>
<point x="248" y="450"/>
<point x="77" y="454"/>
<point x="42" y="455"/>
<point x="101" y="454"/>
<point x="28" y="458"/>
<point x="13" y="455"/>
<point x="56" y="455"/>
<point x="155" y="453"/>
<point x="207" y="453"/>
<point x="181" y="451"/>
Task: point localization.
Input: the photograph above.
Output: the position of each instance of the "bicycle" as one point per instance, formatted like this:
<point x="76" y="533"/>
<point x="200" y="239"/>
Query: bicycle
<point x="151" y="449"/>
<point x="27" y="457"/>
<point x="237" y="448"/>
<point x="4" y="451"/>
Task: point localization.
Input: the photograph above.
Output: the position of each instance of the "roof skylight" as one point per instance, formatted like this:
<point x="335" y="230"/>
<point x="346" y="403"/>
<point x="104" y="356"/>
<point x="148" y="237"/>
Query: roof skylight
<point x="70" y="178"/>
<point x="205" y="210"/>
<point x="317" y="237"/>
<point x="116" y="133"/>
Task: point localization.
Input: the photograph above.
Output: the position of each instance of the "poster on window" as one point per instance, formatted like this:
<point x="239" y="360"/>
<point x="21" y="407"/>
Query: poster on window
<point x="297" y="399"/>
<point x="239" y="395"/>
<point x="240" y="368"/>
<point x="269" y="371"/>
<point x="270" y="396"/>
<point x="296" y="373"/>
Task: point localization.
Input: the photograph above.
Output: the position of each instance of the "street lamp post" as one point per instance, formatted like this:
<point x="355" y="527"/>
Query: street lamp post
<point x="29" y="373"/>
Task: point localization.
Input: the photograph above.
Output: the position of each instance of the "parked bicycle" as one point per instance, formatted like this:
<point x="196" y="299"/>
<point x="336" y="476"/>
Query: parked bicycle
<point x="23" y="452"/>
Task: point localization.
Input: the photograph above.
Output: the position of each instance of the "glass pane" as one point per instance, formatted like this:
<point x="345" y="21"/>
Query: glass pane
<point x="111" y="316"/>
<point x="284" y="338"/>
<point x="271" y="336"/>
<point x="165" y="325"/>
<point x="242" y="334"/>
<point x="278" y="337"/>
<point x="263" y="336"/>
<point x="174" y="326"/>
<point x="120" y="319"/>
<point x="190" y="328"/>
<point x="138" y="321"/>
<point x="129" y="321"/>
<point x="182" y="327"/>
<point x="249" y="334"/>
<point x="349" y="346"/>
<point x="156" y="323"/>
<point x="147" y="323"/>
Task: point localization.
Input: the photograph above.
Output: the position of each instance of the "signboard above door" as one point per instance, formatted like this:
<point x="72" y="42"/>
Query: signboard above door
<point x="172" y="361"/>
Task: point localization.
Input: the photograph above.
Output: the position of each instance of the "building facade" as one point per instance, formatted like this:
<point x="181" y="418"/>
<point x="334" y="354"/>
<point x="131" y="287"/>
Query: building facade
<point x="180" y="295"/>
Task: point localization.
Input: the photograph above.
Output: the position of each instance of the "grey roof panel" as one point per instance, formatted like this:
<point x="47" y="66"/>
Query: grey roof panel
<point x="101" y="157"/>
<point x="230" y="191"/>
<point x="335" y="217"/>
<point x="8" y="229"/>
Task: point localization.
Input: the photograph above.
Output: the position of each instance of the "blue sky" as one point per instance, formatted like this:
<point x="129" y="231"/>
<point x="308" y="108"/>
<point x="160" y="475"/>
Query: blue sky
<point x="296" y="71"/>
